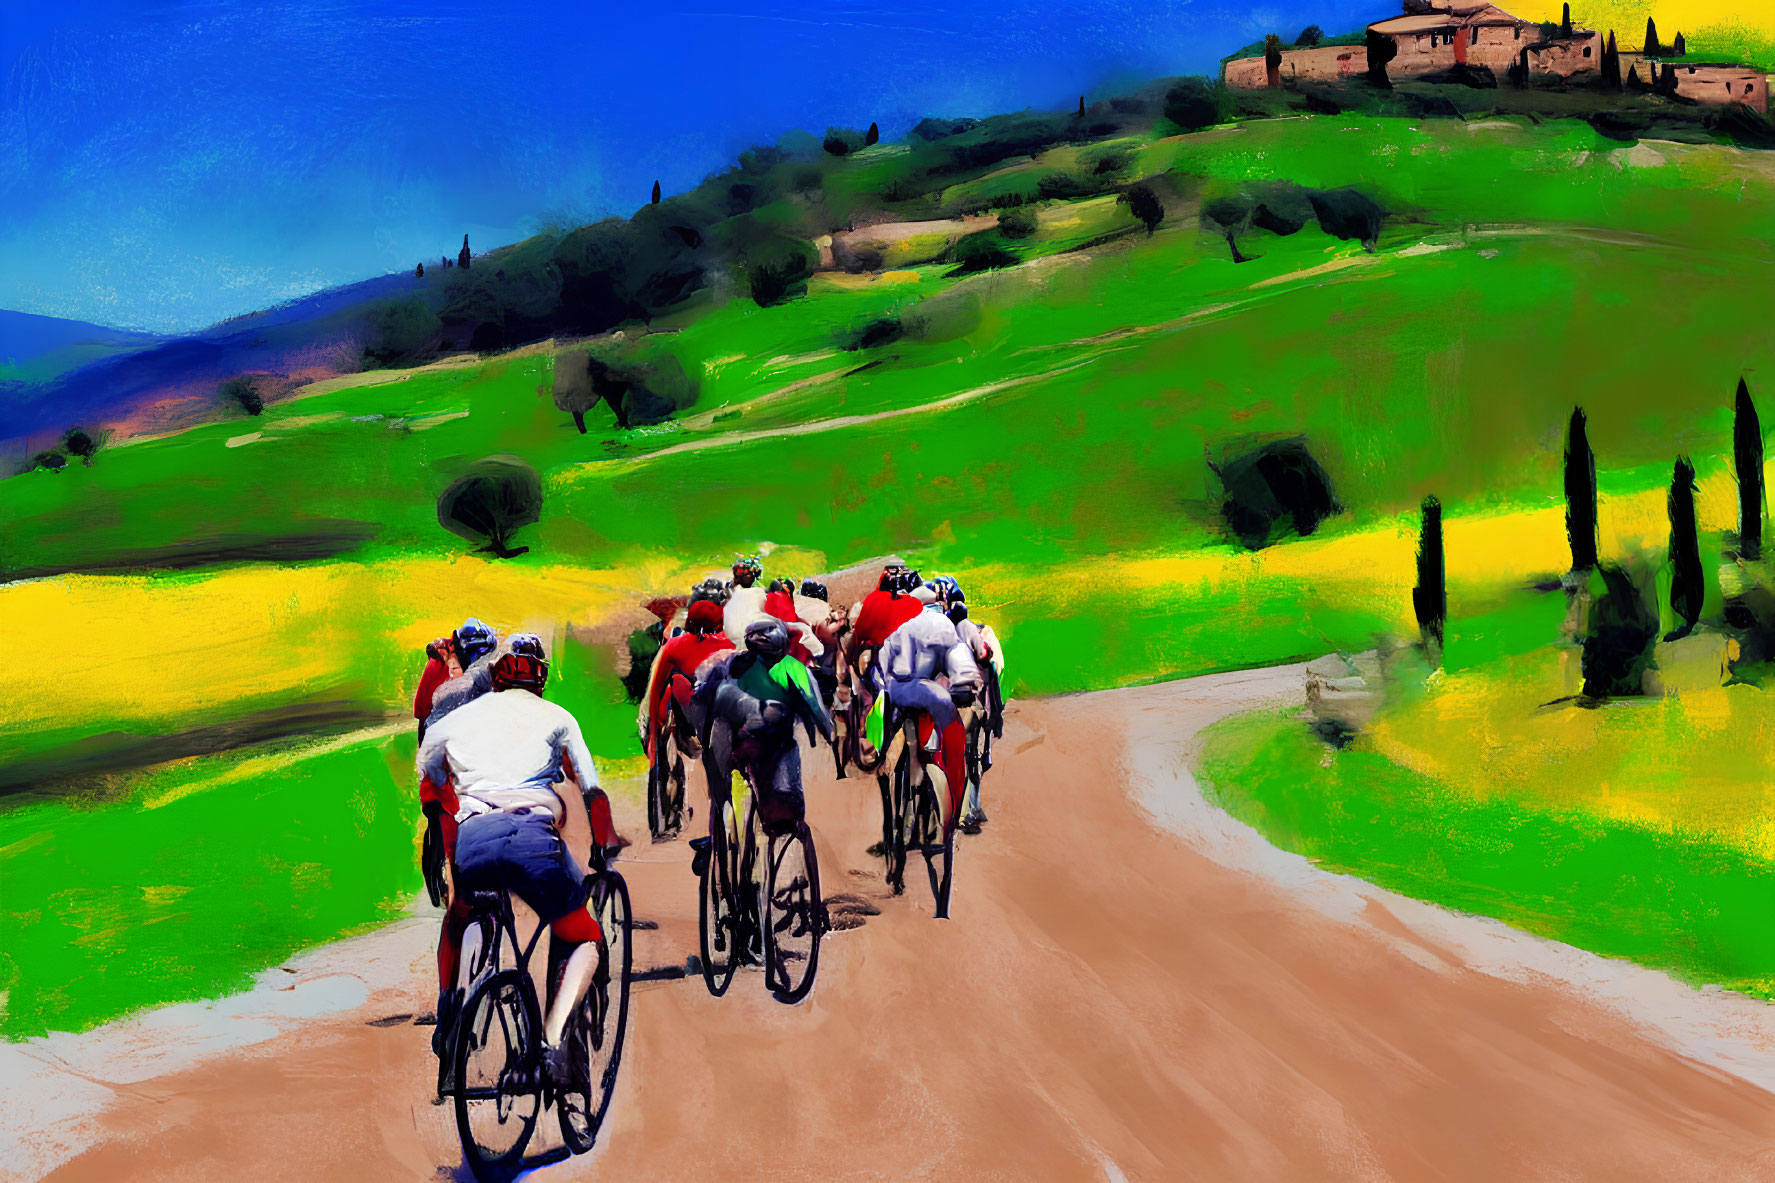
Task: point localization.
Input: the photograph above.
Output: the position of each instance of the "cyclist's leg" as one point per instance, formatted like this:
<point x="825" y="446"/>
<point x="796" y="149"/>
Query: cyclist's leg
<point x="535" y="863"/>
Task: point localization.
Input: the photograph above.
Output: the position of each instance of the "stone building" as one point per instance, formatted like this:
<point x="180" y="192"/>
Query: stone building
<point x="1705" y="82"/>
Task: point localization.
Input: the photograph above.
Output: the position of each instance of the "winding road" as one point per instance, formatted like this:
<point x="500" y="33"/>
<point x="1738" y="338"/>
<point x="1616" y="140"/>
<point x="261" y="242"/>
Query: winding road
<point x="1132" y="987"/>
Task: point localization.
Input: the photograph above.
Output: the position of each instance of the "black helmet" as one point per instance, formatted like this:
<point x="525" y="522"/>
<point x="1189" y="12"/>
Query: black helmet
<point x="474" y="641"/>
<point x="813" y="589"/>
<point x="907" y="580"/>
<point x="711" y="589"/>
<point x="769" y="639"/>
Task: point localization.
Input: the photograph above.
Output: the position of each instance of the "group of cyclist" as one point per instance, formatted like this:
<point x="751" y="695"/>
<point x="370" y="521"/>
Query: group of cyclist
<point x="744" y="663"/>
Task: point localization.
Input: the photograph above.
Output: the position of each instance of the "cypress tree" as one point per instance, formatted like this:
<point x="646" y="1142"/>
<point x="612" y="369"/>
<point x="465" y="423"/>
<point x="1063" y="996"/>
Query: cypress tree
<point x="1679" y="47"/>
<point x="1081" y="106"/>
<point x="1652" y="49"/>
<point x="1580" y="493"/>
<point x="1429" y="599"/>
<point x="656" y="193"/>
<point x="1667" y="80"/>
<point x="872" y="136"/>
<point x="1611" y="64"/>
<point x="1747" y="460"/>
<point x="1565" y="21"/>
<point x="1686" y="589"/>
<point x="462" y="259"/>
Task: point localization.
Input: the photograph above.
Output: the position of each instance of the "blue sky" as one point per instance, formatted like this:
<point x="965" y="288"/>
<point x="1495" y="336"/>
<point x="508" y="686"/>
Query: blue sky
<point x="166" y="165"/>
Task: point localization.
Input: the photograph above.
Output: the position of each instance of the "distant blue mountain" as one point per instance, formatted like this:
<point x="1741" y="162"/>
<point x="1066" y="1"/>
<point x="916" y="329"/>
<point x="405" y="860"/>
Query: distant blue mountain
<point x="121" y="371"/>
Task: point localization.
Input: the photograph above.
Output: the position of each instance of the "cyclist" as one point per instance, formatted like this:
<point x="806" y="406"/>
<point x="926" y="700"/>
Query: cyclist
<point x="476" y="645"/>
<point x="745" y="599"/>
<point x="830" y="625"/>
<point x="989" y="656"/>
<point x="503" y="758"/>
<point x="440" y="667"/>
<point x="912" y="659"/>
<point x="779" y="601"/>
<point x="743" y="699"/>
<point x="884" y="609"/>
<point x="674" y="673"/>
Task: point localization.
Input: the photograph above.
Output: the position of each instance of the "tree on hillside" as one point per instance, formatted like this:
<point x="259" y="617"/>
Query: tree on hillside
<point x="1686" y="587"/>
<point x="1747" y="462"/>
<point x="655" y="200"/>
<point x="1195" y="103"/>
<point x="1272" y="60"/>
<point x="52" y="460"/>
<point x="79" y="442"/>
<point x="1144" y="204"/>
<point x="1565" y="21"/>
<point x="1381" y="49"/>
<point x="1429" y="599"/>
<point x="1310" y="36"/>
<point x="1679" y="47"/>
<point x="243" y="391"/>
<point x="492" y="501"/>
<point x="1081" y="114"/>
<point x="1580" y="493"/>
<point x="403" y="332"/>
<point x="1611" y="64"/>
<point x="419" y="271"/>
<point x="1518" y="72"/>
<point x="872" y="136"/>
<point x="1651" y="47"/>
<point x="842" y="141"/>
<point x="463" y="257"/>
<point x="572" y="388"/>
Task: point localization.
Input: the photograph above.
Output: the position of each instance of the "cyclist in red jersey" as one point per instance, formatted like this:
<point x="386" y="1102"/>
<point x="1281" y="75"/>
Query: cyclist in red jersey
<point x="674" y="673"/>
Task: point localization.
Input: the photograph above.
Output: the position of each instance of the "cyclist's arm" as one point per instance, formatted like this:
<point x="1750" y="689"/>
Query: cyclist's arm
<point x="812" y="709"/>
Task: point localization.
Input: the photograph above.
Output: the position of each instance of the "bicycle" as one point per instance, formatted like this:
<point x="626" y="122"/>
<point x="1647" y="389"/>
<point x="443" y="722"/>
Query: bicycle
<point x="666" y="776"/>
<point x="916" y="798"/>
<point x="499" y="1085"/>
<point x="985" y="724"/>
<point x="778" y="909"/>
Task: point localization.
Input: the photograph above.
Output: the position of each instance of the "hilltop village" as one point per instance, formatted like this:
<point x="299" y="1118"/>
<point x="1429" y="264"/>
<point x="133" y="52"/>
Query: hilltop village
<point x="1473" y="43"/>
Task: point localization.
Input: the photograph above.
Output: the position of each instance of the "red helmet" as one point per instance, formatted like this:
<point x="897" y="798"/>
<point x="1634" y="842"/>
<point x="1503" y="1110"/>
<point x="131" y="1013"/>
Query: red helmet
<point x="523" y="666"/>
<point x="704" y="616"/>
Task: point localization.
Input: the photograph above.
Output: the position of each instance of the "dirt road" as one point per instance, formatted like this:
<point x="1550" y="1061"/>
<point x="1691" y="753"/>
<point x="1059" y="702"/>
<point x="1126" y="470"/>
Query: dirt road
<point x="1107" y="1003"/>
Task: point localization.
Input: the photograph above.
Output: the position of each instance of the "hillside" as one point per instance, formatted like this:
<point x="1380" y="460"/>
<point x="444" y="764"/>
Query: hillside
<point x="1036" y="399"/>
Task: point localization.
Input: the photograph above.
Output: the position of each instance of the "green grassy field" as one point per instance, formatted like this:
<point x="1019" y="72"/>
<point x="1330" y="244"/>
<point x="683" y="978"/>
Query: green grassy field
<point x="1042" y="431"/>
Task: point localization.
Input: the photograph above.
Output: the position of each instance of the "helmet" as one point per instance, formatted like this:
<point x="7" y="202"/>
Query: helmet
<point x="523" y="665"/>
<point x="948" y="590"/>
<point x="704" y="616"/>
<point x="906" y="580"/>
<point x="474" y="641"/>
<point x="813" y="589"/>
<point x="750" y="565"/>
<point x="710" y="589"/>
<point x="768" y="639"/>
<point x="782" y="585"/>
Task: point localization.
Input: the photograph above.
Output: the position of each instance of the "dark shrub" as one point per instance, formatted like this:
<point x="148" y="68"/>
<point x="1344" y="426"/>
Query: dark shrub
<point x="777" y="269"/>
<point x="980" y="252"/>
<point x="1623" y="625"/>
<point x="1017" y="223"/>
<point x="77" y="441"/>
<point x="54" y="461"/>
<point x="1144" y="204"/>
<point x="1195" y="103"/>
<point x="403" y="332"/>
<point x="1346" y="214"/>
<point x="877" y="332"/>
<point x="940" y="129"/>
<point x="1747" y="464"/>
<point x="1310" y="36"/>
<point x="641" y="385"/>
<point x="492" y="501"/>
<point x="842" y="141"/>
<point x="1380" y="50"/>
<point x="243" y="392"/>
<point x="1274" y="488"/>
<point x="644" y="645"/>
<point x="487" y="338"/>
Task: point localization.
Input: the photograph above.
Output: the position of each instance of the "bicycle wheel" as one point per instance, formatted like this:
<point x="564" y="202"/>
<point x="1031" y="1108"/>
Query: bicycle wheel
<point x="600" y="1026"/>
<point x="718" y="922"/>
<point x="498" y="1075"/>
<point x="934" y="840"/>
<point x="794" y="916"/>
<point x="904" y="803"/>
